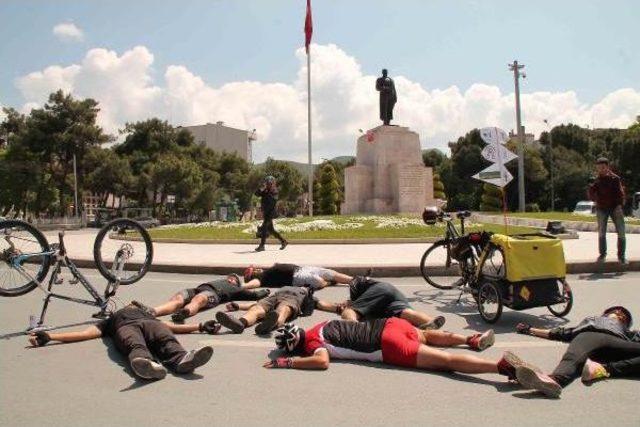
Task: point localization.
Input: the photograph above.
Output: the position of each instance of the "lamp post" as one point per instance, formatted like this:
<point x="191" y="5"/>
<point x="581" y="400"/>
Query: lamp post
<point x="515" y="67"/>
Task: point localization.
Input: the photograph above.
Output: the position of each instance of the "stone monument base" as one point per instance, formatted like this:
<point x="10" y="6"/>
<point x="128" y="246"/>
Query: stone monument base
<point x="389" y="176"/>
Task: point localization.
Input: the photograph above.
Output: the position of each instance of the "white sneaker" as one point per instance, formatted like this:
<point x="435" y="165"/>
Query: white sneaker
<point x="148" y="369"/>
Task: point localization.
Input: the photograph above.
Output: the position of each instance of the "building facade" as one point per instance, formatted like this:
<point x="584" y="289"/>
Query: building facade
<point x="221" y="138"/>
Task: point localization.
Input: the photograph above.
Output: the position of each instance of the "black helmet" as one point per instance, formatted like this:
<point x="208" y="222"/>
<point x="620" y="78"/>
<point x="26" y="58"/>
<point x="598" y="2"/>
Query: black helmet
<point x="624" y="311"/>
<point x="430" y="215"/>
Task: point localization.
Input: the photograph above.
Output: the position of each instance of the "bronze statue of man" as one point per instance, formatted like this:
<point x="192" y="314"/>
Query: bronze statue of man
<point x="388" y="97"/>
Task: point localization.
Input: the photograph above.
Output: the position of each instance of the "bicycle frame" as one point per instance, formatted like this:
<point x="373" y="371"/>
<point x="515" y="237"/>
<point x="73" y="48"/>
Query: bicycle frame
<point x="62" y="260"/>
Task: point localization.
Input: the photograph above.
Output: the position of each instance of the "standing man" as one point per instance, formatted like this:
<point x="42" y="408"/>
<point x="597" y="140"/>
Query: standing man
<point x="607" y="192"/>
<point x="388" y="97"/>
<point x="268" y="194"/>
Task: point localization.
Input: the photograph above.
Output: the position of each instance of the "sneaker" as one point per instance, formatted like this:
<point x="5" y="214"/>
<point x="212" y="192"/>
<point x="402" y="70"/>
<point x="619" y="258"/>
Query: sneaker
<point x="268" y="324"/>
<point x="148" y="369"/>
<point x="437" y="323"/>
<point x="180" y="315"/>
<point x="482" y="341"/>
<point x="259" y="248"/>
<point x="284" y="244"/>
<point x="509" y="362"/>
<point x="194" y="359"/>
<point x="538" y="381"/>
<point x="601" y="259"/>
<point x="623" y="261"/>
<point x="593" y="371"/>
<point x="230" y="322"/>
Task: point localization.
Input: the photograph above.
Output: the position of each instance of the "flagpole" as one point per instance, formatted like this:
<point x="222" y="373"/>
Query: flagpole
<point x="310" y="177"/>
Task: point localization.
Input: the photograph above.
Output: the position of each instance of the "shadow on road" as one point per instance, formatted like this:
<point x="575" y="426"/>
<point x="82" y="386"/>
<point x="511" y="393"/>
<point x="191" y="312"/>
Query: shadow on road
<point x="601" y="276"/>
<point x="447" y="302"/>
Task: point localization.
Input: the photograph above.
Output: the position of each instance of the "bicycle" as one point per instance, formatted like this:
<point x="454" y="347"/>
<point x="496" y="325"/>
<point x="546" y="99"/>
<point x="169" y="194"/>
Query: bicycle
<point x="461" y="252"/>
<point x="26" y="257"/>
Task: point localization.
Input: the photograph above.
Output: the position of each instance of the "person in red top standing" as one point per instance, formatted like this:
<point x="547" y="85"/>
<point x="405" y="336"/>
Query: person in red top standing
<point x="608" y="194"/>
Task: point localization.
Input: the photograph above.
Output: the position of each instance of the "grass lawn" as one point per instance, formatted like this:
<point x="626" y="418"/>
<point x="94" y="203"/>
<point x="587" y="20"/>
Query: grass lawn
<point x="328" y="227"/>
<point x="560" y="216"/>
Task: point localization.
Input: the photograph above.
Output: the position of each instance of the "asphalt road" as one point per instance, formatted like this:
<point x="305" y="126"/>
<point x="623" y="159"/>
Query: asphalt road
<point x="89" y="383"/>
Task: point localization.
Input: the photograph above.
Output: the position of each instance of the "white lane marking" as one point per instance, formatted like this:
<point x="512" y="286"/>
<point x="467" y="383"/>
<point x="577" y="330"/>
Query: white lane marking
<point x="269" y="344"/>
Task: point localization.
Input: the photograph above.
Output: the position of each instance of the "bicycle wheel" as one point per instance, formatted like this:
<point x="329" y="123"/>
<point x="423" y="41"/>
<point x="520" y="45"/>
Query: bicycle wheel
<point x="23" y="245"/>
<point x="489" y="301"/>
<point x="437" y="254"/>
<point x="123" y="251"/>
<point x="563" y="308"/>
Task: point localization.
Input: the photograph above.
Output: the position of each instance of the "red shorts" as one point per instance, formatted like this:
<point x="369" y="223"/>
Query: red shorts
<point x="400" y="343"/>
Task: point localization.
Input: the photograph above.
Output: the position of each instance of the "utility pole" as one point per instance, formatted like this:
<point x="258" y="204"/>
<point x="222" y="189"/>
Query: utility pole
<point x="515" y="67"/>
<point x="75" y="185"/>
<point x="553" y="196"/>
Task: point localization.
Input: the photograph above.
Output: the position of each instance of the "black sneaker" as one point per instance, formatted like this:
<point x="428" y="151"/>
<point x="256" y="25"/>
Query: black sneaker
<point x="230" y="322"/>
<point x="268" y="324"/>
<point x="148" y="369"/>
<point x="194" y="359"/>
<point x="623" y="261"/>
<point x="284" y="244"/>
<point x="180" y="315"/>
<point x="259" y="248"/>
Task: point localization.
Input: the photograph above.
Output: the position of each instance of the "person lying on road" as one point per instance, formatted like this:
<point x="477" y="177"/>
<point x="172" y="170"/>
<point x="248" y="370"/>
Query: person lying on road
<point x="190" y="301"/>
<point x="273" y="311"/>
<point x="293" y="275"/>
<point x="372" y="299"/>
<point x="392" y="341"/>
<point x="600" y="347"/>
<point x="143" y="339"/>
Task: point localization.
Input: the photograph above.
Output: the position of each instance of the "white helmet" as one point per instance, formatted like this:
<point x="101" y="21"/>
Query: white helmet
<point x="288" y="337"/>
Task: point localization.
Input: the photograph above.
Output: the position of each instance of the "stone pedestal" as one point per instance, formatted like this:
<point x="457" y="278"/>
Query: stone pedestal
<point x="389" y="176"/>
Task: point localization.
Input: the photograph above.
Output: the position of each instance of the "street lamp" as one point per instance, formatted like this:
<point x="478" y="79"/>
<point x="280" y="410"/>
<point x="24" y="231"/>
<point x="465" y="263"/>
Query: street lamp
<point x="553" y="197"/>
<point x="515" y="67"/>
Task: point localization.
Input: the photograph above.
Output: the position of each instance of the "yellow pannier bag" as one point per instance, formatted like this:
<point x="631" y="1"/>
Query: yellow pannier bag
<point x="531" y="257"/>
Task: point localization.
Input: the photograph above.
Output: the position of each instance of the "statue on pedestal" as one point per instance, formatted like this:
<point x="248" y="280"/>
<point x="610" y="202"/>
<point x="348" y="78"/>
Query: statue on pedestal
<point x="388" y="97"/>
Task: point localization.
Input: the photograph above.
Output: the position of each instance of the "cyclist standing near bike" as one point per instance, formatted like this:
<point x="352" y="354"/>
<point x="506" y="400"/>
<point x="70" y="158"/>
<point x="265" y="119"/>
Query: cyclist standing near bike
<point x="268" y="194"/>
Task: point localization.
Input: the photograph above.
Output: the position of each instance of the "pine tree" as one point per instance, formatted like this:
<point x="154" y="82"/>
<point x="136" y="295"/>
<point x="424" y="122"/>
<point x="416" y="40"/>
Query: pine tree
<point x="329" y="189"/>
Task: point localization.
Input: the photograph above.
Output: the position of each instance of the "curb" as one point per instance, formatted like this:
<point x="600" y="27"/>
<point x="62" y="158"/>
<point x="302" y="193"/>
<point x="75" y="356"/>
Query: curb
<point x="579" y="267"/>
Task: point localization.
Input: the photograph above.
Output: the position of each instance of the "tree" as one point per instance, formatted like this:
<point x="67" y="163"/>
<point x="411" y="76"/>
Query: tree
<point x="329" y="190"/>
<point x="535" y="177"/>
<point x="110" y="174"/>
<point x="433" y="157"/>
<point x="491" y="198"/>
<point x="456" y="172"/>
<point x="438" y="187"/>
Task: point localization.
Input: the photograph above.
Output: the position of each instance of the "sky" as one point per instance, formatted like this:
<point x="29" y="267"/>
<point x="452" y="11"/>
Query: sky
<point x="243" y="62"/>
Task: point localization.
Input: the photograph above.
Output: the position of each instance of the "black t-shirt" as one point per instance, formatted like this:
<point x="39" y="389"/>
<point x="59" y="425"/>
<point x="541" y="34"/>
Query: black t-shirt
<point x="365" y="337"/>
<point x="278" y="275"/>
<point x="227" y="292"/>
<point x="123" y="317"/>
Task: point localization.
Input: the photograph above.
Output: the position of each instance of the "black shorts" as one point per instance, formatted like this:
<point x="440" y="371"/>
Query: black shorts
<point x="380" y="300"/>
<point x="212" y="298"/>
<point x="293" y="300"/>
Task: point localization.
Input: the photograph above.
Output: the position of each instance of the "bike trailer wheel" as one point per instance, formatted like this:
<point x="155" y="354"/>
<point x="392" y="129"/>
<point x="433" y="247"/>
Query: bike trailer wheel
<point x="489" y="301"/>
<point x="562" y="308"/>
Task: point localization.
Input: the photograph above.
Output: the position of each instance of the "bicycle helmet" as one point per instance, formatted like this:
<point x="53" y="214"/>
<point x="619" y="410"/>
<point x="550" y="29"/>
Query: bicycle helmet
<point x="288" y="337"/>
<point x="623" y="310"/>
<point x="430" y="215"/>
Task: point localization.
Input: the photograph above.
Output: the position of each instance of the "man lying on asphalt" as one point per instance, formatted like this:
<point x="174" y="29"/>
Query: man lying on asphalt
<point x="293" y="275"/>
<point x="273" y="311"/>
<point x="600" y="347"/>
<point x="190" y="301"/>
<point x="143" y="339"/>
<point x="372" y="299"/>
<point x="393" y="341"/>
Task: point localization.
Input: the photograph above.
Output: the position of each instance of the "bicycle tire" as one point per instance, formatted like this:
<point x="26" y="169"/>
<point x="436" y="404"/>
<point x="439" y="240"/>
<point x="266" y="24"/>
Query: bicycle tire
<point x="425" y="273"/>
<point x="568" y="294"/>
<point x="44" y="264"/>
<point x="489" y="288"/>
<point x="140" y="269"/>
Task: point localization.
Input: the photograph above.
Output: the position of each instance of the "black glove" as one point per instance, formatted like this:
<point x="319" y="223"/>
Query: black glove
<point x="210" y="327"/>
<point x="523" y="328"/>
<point x="42" y="338"/>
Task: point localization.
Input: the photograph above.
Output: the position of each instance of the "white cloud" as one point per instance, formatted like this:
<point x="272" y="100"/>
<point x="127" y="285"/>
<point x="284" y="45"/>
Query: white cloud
<point x="344" y="100"/>
<point x="68" y="31"/>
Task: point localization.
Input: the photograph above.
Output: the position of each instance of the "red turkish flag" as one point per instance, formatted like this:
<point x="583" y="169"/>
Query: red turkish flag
<point x="308" y="27"/>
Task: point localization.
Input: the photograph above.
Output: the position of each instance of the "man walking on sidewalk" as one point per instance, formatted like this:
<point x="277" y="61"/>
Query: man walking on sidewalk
<point x="608" y="194"/>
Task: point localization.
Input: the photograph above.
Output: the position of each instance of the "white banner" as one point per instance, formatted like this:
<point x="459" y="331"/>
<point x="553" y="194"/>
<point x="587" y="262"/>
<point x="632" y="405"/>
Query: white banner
<point x="494" y="134"/>
<point x="496" y="175"/>
<point x="497" y="153"/>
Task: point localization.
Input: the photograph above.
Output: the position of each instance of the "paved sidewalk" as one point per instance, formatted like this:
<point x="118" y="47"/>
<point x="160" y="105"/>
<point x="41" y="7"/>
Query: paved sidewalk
<point x="388" y="259"/>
